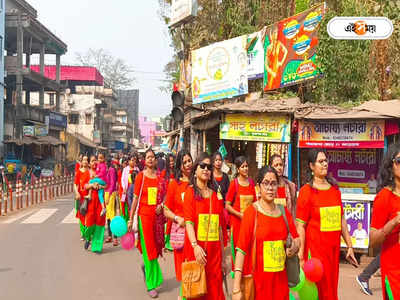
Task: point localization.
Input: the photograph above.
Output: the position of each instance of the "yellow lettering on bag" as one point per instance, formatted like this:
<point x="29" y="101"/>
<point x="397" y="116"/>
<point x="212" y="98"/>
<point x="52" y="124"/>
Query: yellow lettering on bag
<point x="331" y="219"/>
<point x="245" y="202"/>
<point x="183" y="196"/>
<point x="274" y="256"/>
<point x="203" y="228"/>
<point x="152" y="196"/>
<point x="280" y="201"/>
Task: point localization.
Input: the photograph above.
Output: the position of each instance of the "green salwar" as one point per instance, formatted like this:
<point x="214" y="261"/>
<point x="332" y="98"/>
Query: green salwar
<point x="167" y="243"/>
<point x="95" y="235"/>
<point x="152" y="269"/>
<point x="388" y="289"/>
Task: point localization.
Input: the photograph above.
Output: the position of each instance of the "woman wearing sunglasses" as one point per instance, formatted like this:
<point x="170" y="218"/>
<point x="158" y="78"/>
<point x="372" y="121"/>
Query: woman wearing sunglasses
<point x="385" y="229"/>
<point x="241" y="194"/>
<point x="173" y="208"/>
<point x="320" y="223"/>
<point x="262" y="238"/>
<point x="203" y="219"/>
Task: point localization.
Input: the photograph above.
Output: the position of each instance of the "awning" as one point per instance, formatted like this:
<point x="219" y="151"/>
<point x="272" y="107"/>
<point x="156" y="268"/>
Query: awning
<point x="82" y="139"/>
<point x="51" y="140"/>
<point x="171" y="133"/>
<point x="28" y="140"/>
<point x="101" y="148"/>
<point x="389" y="108"/>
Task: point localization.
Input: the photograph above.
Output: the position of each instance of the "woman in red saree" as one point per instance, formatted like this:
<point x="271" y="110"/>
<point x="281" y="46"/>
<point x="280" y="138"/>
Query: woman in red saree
<point x="168" y="175"/>
<point x="82" y="177"/>
<point x="320" y="223"/>
<point x="173" y="208"/>
<point x="263" y="236"/>
<point x="94" y="222"/>
<point x="385" y="224"/>
<point x="145" y="196"/>
<point x="203" y="217"/>
<point x="241" y="194"/>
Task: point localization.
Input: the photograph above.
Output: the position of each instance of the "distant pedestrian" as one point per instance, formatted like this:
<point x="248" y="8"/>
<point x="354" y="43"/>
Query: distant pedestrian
<point x="385" y="222"/>
<point x="82" y="178"/>
<point x="286" y="192"/>
<point x="111" y="198"/>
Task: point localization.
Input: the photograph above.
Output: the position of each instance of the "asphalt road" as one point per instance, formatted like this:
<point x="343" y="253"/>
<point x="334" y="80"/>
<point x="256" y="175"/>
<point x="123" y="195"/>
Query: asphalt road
<point x="42" y="257"/>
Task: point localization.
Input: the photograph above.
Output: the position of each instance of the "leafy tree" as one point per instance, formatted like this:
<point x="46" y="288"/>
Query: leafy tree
<point x="116" y="72"/>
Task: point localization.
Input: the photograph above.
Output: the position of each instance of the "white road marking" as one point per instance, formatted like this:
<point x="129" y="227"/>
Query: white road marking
<point x="70" y="218"/>
<point x="17" y="217"/>
<point x="41" y="216"/>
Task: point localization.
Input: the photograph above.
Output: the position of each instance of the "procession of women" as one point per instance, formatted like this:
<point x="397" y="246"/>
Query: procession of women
<point x="283" y="241"/>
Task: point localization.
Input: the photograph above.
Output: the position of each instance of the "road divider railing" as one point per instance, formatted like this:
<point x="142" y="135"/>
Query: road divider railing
<point x="18" y="195"/>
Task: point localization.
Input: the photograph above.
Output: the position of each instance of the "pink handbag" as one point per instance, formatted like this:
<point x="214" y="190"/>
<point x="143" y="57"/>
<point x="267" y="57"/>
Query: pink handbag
<point x="177" y="237"/>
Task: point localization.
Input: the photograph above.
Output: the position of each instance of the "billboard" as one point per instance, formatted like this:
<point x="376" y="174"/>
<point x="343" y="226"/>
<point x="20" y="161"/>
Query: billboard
<point x="341" y="134"/>
<point x="219" y="71"/>
<point x="290" y="49"/>
<point x="255" y="56"/>
<point x="182" y="10"/>
<point x="257" y="127"/>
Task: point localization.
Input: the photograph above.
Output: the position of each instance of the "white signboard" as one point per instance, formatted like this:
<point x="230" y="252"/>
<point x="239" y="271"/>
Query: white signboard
<point x="255" y="55"/>
<point x="219" y="71"/>
<point x="181" y="10"/>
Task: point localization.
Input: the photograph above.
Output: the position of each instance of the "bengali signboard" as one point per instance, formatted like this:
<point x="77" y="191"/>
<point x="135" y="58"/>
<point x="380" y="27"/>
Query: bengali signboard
<point x="219" y="71"/>
<point x="290" y="49"/>
<point x="182" y="10"/>
<point x="357" y="214"/>
<point x="41" y="130"/>
<point x="257" y="127"/>
<point x="341" y="134"/>
<point x="354" y="168"/>
<point x="255" y="56"/>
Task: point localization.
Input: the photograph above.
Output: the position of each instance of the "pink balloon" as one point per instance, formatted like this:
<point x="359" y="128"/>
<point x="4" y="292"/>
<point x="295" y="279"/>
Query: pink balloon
<point x="128" y="241"/>
<point x="313" y="269"/>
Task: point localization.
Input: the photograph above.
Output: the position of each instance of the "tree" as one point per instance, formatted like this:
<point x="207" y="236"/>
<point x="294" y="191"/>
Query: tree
<point x="116" y="72"/>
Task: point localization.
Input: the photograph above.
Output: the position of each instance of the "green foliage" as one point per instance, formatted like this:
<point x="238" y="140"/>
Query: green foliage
<point x="344" y="63"/>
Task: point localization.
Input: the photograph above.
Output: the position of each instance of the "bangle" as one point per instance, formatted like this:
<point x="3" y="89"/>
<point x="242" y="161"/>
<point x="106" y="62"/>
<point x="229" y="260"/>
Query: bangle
<point x="239" y="270"/>
<point x="176" y="218"/>
<point x="236" y="292"/>
<point x="194" y="244"/>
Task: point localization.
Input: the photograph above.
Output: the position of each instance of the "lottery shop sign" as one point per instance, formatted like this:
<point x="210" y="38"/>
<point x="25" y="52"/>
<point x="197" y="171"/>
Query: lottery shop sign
<point x="341" y="134"/>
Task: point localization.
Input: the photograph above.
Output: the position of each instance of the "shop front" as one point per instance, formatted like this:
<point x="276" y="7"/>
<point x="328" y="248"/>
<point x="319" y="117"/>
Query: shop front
<point x="355" y="148"/>
<point x="257" y="136"/>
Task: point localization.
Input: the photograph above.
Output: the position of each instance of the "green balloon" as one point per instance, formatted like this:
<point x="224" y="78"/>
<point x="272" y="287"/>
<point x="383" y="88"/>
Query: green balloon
<point x="302" y="280"/>
<point x="309" y="291"/>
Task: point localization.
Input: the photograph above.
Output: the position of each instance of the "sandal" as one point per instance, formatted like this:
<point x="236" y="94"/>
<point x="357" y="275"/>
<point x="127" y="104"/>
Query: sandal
<point x="108" y="240"/>
<point x="153" y="294"/>
<point x="115" y="242"/>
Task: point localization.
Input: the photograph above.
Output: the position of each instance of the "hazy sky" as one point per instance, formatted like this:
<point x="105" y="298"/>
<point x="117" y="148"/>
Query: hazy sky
<point x="129" y="29"/>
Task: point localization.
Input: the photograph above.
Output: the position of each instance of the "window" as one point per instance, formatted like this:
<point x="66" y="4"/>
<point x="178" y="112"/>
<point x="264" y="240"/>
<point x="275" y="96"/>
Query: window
<point x="88" y="118"/>
<point x="73" y="118"/>
<point x="51" y="99"/>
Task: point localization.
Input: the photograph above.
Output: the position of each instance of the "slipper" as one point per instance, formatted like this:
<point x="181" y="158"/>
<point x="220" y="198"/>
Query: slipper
<point x="108" y="240"/>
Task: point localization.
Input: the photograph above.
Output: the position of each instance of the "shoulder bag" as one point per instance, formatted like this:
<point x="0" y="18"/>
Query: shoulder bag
<point x="292" y="263"/>
<point x="194" y="283"/>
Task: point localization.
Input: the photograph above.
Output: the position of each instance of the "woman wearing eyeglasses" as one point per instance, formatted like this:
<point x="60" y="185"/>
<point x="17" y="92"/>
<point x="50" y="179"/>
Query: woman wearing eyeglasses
<point x="320" y="223"/>
<point x="262" y="238"/>
<point x="241" y="194"/>
<point x="385" y="229"/>
<point x="203" y="219"/>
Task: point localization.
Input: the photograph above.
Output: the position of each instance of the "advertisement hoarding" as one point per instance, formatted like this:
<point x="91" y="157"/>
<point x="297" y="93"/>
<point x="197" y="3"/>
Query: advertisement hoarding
<point x="290" y="49"/>
<point x="219" y="71"/>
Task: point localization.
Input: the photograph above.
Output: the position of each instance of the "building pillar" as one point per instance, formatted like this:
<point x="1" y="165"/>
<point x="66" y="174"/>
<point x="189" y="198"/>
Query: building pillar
<point x="58" y="77"/>
<point x="41" y="92"/>
<point x="19" y="76"/>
